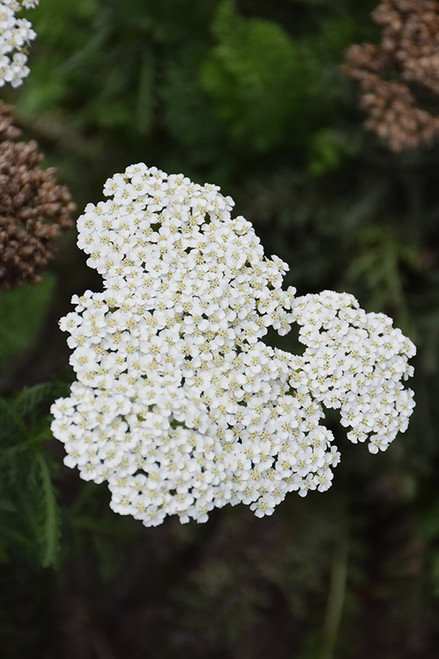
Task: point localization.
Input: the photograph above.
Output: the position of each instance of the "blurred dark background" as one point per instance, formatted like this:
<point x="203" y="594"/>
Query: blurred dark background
<point x="252" y="96"/>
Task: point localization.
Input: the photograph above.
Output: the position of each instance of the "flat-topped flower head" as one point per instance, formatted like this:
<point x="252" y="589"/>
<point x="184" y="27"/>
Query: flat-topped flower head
<point x="179" y="405"/>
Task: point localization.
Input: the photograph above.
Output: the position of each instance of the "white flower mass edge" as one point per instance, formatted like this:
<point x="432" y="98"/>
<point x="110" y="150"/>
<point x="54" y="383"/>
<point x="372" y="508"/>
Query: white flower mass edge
<point x="179" y="405"/>
<point x="15" y="36"/>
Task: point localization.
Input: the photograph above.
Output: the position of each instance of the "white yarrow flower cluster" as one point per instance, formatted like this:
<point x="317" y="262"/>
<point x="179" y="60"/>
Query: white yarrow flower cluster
<point x="178" y="405"/>
<point x="354" y="361"/>
<point x="15" y="36"/>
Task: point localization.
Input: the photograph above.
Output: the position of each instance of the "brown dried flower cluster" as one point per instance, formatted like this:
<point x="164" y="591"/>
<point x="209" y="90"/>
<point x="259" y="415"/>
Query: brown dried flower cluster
<point x="33" y="208"/>
<point x="400" y="76"/>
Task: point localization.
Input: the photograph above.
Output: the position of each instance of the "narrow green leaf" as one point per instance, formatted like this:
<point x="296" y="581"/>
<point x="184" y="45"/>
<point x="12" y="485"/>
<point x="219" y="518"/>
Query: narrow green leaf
<point x="51" y="518"/>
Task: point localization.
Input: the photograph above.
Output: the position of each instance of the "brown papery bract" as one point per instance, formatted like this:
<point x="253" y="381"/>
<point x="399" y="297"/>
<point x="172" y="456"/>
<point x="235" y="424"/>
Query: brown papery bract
<point x="33" y="208"/>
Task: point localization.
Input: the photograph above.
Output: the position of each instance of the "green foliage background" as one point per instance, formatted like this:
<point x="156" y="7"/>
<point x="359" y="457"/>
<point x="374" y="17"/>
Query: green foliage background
<point x="249" y="95"/>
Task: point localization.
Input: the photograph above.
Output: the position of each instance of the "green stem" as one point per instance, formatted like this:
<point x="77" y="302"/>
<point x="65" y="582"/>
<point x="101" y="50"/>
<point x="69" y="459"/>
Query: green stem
<point x="336" y="596"/>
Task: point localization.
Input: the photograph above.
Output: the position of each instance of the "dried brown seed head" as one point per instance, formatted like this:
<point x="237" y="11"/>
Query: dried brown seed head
<point x="401" y="74"/>
<point x="33" y="208"/>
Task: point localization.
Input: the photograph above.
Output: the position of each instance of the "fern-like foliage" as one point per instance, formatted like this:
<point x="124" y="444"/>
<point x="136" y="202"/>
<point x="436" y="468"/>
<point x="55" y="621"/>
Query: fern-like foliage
<point x="253" y="67"/>
<point x="267" y="84"/>
<point x="29" y="513"/>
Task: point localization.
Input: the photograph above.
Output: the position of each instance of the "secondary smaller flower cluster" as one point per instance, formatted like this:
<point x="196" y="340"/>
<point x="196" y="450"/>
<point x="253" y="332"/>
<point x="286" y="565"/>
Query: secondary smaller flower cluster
<point x="15" y="36"/>
<point x="33" y="208"/>
<point x="354" y="361"/>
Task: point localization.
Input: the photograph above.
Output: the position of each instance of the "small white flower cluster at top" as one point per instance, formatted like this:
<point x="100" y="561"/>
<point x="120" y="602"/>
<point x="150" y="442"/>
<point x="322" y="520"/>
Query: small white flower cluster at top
<point x="178" y="404"/>
<point x="15" y="37"/>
